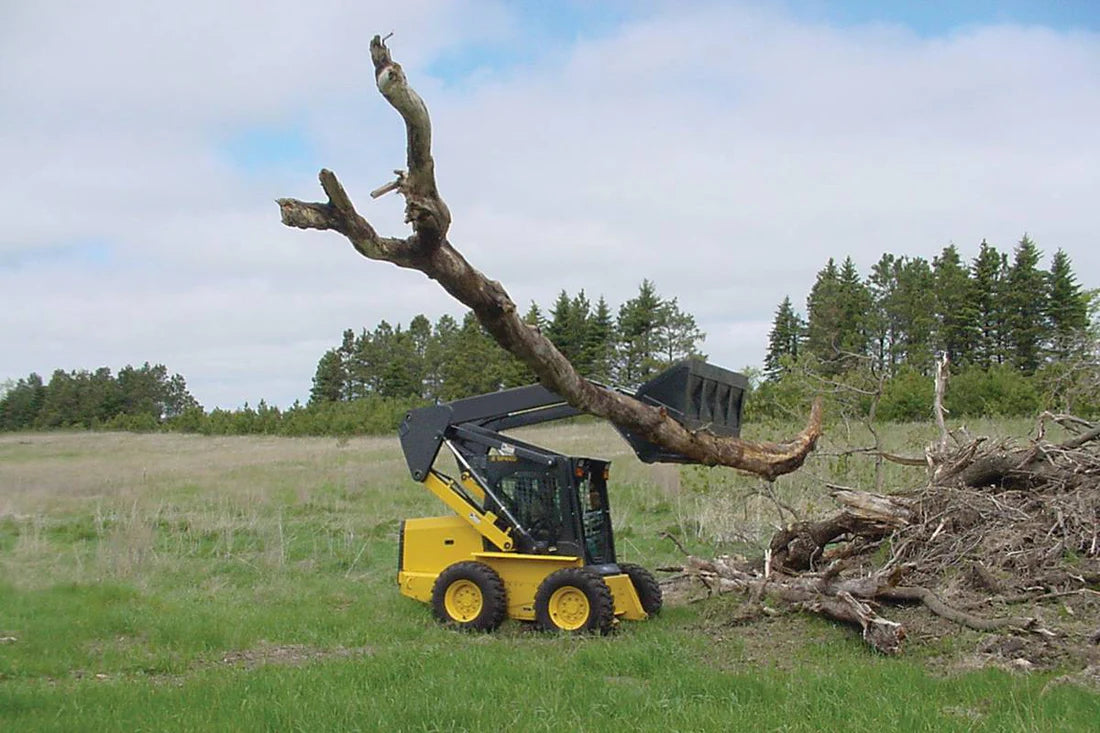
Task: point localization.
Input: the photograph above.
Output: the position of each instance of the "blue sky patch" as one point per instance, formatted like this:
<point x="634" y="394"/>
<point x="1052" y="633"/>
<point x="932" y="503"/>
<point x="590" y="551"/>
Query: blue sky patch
<point x="940" y="17"/>
<point x="262" y="148"/>
<point x="538" y="26"/>
<point x="81" y="252"/>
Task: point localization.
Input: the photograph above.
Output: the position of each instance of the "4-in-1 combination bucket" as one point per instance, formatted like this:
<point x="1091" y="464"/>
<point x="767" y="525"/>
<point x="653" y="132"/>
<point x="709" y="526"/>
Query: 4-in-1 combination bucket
<point x="697" y="395"/>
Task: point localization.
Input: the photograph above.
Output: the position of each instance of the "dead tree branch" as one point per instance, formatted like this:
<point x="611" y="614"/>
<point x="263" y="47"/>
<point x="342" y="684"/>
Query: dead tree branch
<point x="429" y="251"/>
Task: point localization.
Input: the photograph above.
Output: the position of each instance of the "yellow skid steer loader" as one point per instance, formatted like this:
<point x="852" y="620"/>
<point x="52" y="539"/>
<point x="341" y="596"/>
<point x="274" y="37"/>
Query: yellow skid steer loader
<point x="530" y="534"/>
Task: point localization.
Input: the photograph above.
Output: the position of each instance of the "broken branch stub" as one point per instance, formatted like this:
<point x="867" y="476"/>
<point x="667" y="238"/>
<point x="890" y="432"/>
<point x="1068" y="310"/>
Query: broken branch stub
<point x="428" y="251"/>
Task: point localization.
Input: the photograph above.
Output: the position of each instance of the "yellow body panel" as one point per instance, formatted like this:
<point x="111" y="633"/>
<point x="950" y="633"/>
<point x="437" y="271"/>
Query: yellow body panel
<point x="431" y="544"/>
<point x="522" y="575"/>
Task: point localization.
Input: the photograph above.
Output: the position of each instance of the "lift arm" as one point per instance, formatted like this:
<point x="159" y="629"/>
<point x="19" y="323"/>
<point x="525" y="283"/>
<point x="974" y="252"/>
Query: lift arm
<point x="695" y="394"/>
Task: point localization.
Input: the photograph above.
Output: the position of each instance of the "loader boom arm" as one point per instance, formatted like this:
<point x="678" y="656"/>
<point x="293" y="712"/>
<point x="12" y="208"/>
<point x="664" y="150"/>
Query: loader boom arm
<point x="695" y="394"/>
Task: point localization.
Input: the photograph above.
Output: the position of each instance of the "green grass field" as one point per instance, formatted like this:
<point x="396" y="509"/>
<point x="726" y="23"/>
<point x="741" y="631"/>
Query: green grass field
<point x="169" y="582"/>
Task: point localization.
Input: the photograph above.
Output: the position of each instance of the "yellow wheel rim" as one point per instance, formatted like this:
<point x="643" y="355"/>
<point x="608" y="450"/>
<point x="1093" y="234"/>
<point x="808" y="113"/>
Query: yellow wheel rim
<point x="569" y="608"/>
<point x="463" y="601"/>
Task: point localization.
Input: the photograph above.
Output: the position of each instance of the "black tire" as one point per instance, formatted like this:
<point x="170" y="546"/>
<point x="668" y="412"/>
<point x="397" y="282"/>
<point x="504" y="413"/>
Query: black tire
<point x="646" y="586"/>
<point x="575" y="601"/>
<point x="469" y="596"/>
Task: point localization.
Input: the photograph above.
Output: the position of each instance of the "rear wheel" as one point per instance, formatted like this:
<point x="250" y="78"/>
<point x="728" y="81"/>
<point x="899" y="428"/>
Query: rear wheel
<point x="646" y="586"/>
<point x="575" y="601"/>
<point x="469" y="595"/>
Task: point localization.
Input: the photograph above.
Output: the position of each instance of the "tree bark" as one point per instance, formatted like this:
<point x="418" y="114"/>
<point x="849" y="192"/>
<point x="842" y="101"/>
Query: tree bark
<point x="801" y="545"/>
<point x="429" y="251"/>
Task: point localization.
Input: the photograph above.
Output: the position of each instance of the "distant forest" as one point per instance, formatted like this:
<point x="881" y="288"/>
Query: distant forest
<point x="368" y="382"/>
<point x="1018" y="338"/>
<point x="448" y="360"/>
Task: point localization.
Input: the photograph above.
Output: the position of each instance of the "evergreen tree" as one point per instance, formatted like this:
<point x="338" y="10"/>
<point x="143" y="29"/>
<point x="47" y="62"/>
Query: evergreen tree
<point x="436" y="356"/>
<point x="824" y="315"/>
<point x="399" y="368"/>
<point x="328" y="380"/>
<point x="567" y="328"/>
<point x="149" y="391"/>
<point x="678" y="336"/>
<point x="1026" y="300"/>
<point x="475" y="364"/>
<point x="913" y="313"/>
<point x="377" y="357"/>
<point x="855" y="304"/>
<point x="1067" y="308"/>
<point x="534" y="317"/>
<point x="579" y="324"/>
<point x="59" y="408"/>
<point x="351" y="350"/>
<point x="599" y="344"/>
<point x="882" y="284"/>
<point x="22" y="403"/>
<point x="784" y="340"/>
<point x="955" y="315"/>
<point x="986" y="303"/>
<point x="637" y="324"/>
<point x="420" y="332"/>
<point x="560" y="330"/>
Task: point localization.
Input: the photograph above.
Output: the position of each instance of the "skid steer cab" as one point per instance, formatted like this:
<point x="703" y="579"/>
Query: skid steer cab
<point x="529" y="536"/>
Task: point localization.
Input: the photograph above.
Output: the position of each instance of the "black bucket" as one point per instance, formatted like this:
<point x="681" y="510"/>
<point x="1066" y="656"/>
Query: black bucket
<point x="697" y="395"/>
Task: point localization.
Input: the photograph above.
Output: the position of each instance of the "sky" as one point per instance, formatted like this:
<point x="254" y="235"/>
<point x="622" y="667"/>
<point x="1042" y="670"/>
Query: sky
<point x="723" y="150"/>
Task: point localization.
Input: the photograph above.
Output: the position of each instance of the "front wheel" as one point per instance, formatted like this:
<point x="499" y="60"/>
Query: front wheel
<point x="575" y="601"/>
<point x="646" y="586"/>
<point x="469" y="595"/>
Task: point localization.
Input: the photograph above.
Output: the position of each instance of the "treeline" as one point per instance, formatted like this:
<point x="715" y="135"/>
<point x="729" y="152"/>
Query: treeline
<point x="448" y="360"/>
<point x="1019" y="340"/>
<point x="137" y="398"/>
<point x="1017" y="336"/>
<point x="367" y="383"/>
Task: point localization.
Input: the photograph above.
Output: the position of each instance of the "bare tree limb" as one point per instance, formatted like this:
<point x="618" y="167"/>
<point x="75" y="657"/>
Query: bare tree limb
<point x="938" y="408"/>
<point x="938" y="607"/>
<point x="428" y="251"/>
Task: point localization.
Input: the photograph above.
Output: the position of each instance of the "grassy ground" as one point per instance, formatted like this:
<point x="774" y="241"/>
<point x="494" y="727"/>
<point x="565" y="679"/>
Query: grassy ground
<point x="167" y="582"/>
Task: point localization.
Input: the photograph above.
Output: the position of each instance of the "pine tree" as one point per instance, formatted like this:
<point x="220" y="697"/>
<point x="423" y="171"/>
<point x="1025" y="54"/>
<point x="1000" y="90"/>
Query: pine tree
<point x="855" y="305"/>
<point x="678" y="336"/>
<point x="955" y="316"/>
<point x="882" y="285"/>
<point x="420" y="331"/>
<point x="1067" y="308"/>
<point x="914" y="313"/>
<point x="561" y="330"/>
<point x="100" y="397"/>
<point x="784" y="340"/>
<point x="22" y="403"/>
<point x="328" y="380"/>
<point x="824" y="314"/>
<point x="985" y="302"/>
<point x="637" y="324"/>
<point x="399" y="371"/>
<point x="437" y="354"/>
<point x="580" y="314"/>
<point x="534" y="317"/>
<point x="1026" y="300"/>
<point x="475" y="364"/>
<point x="600" y="343"/>
<point x="372" y="359"/>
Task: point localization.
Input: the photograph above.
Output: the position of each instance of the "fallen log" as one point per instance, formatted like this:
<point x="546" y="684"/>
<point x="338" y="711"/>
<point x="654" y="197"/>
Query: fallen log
<point x="801" y="545"/>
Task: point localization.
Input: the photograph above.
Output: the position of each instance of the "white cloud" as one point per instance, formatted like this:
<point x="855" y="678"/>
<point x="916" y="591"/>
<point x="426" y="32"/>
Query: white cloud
<point x="724" y="152"/>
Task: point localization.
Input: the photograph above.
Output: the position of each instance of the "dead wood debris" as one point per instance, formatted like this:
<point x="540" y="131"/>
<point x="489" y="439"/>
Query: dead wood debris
<point x="1004" y="537"/>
